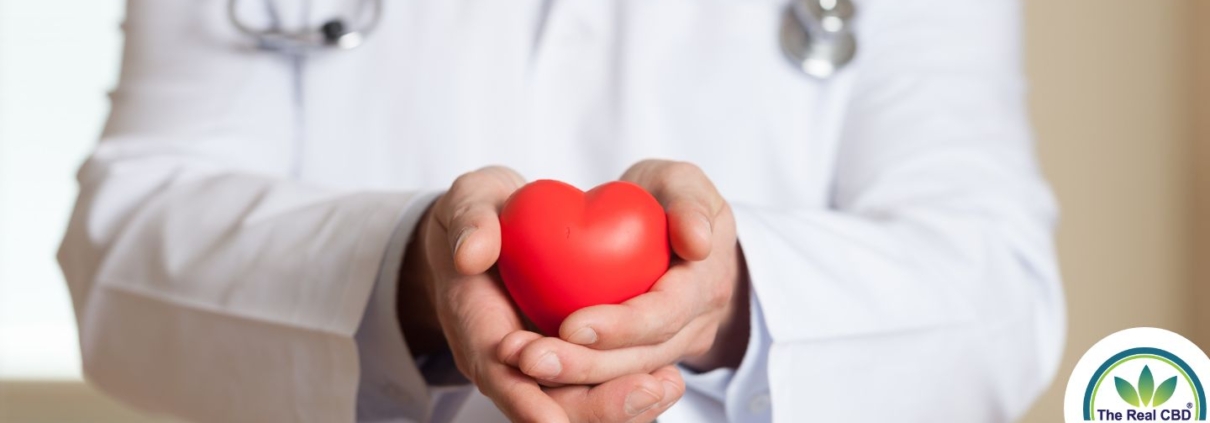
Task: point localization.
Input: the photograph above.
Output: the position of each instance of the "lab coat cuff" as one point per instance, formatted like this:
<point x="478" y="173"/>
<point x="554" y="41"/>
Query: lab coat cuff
<point x="391" y="386"/>
<point x="747" y="396"/>
<point x="767" y="275"/>
<point x="743" y="391"/>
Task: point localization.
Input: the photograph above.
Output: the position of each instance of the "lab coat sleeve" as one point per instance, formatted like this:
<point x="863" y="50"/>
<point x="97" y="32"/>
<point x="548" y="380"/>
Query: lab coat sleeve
<point x="392" y="389"/>
<point x="207" y="283"/>
<point x="928" y="289"/>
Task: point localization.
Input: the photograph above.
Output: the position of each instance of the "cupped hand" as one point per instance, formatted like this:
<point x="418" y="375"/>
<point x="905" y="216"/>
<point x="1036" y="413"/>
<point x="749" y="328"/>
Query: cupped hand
<point x="695" y="314"/>
<point x="459" y="242"/>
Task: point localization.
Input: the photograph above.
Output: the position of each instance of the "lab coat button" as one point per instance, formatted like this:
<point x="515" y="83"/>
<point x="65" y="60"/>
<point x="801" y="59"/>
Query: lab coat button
<point x="758" y="403"/>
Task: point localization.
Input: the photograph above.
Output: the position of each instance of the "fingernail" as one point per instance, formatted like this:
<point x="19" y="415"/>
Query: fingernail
<point x="584" y="336"/>
<point x="639" y="401"/>
<point x="669" y="391"/>
<point x="547" y="368"/>
<point x="462" y="237"/>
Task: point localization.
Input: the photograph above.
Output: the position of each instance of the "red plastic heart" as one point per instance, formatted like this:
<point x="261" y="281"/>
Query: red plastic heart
<point x="563" y="249"/>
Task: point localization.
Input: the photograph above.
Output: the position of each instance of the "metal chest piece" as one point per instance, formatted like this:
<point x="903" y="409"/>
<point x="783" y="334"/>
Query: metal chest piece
<point x="815" y="35"/>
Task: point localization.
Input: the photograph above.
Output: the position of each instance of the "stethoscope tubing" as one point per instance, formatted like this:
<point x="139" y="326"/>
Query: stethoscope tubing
<point x="815" y="35"/>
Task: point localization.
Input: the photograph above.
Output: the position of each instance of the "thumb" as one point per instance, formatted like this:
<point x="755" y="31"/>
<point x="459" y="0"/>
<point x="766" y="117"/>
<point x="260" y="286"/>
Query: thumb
<point x="689" y="199"/>
<point x="468" y="213"/>
<point x="690" y="228"/>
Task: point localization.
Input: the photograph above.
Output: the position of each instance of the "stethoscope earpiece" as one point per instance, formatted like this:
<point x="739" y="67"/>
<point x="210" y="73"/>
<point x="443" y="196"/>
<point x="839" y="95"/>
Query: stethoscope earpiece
<point x="815" y="35"/>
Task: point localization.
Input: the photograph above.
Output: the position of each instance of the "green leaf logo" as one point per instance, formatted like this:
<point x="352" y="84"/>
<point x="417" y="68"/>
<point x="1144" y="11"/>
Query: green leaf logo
<point x="1146" y="386"/>
<point x="1147" y="394"/>
<point x="1126" y="391"/>
<point x="1164" y="391"/>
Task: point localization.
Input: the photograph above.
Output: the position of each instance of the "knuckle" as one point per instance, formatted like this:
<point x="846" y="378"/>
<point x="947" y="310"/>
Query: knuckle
<point x="682" y="205"/>
<point x="653" y="326"/>
<point x="466" y="181"/>
<point x="700" y="346"/>
<point x="659" y="333"/>
<point x="679" y="170"/>
<point x="663" y="326"/>
<point x="579" y="372"/>
<point x="505" y="176"/>
<point x="461" y="213"/>
<point x="498" y="181"/>
<point x="582" y="377"/>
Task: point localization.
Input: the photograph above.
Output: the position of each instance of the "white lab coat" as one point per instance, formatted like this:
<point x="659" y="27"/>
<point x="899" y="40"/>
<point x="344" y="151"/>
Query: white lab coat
<point x="243" y="208"/>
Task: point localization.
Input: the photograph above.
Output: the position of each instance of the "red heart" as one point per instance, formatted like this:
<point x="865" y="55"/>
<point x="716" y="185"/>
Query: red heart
<point x="563" y="249"/>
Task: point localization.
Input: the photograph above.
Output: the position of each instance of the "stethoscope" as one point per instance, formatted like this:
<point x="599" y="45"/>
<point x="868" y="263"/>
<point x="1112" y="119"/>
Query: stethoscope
<point x="815" y="35"/>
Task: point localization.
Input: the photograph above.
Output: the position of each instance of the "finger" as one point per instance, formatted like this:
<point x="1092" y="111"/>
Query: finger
<point x="674" y="385"/>
<point x="511" y="346"/>
<point x="650" y="318"/>
<point x="558" y="361"/>
<point x="631" y="398"/>
<point x="519" y="397"/>
<point x="689" y="198"/>
<point x="468" y="213"/>
<point x="476" y="315"/>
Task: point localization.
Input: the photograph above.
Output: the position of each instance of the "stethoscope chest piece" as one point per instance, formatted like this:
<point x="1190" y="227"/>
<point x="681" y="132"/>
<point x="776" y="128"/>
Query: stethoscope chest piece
<point x="334" y="34"/>
<point x="815" y="36"/>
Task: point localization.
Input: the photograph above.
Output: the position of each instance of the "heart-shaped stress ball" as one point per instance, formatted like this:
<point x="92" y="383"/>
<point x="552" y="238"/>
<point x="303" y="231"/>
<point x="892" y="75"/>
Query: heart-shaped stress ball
<point x="563" y="249"/>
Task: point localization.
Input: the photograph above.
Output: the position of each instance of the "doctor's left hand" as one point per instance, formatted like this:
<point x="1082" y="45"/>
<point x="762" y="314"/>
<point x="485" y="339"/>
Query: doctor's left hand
<point x="448" y="293"/>
<point x="696" y="314"/>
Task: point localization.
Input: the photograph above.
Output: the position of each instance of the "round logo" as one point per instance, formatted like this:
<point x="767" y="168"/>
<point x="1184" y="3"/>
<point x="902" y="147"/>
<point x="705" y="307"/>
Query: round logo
<point x="1139" y="374"/>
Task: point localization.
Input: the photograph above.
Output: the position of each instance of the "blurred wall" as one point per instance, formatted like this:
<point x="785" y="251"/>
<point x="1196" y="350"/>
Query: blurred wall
<point x="1111" y="94"/>
<point x="1200" y="21"/>
<point x="57" y="61"/>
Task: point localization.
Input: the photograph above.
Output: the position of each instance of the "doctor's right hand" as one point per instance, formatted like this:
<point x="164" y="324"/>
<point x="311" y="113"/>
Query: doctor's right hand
<point x="450" y="294"/>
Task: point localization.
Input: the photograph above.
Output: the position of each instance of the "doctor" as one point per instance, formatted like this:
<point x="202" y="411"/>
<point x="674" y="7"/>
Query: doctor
<point x="309" y="237"/>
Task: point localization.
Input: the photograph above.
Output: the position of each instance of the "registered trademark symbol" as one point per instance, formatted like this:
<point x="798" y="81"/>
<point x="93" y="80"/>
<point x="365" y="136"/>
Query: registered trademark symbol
<point x="1188" y="405"/>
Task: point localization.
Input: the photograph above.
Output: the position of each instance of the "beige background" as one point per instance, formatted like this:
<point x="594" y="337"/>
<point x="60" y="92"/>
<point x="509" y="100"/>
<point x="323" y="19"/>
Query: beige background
<point x="1121" y="107"/>
<point x="1200" y="154"/>
<point x="1116" y="116"/>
